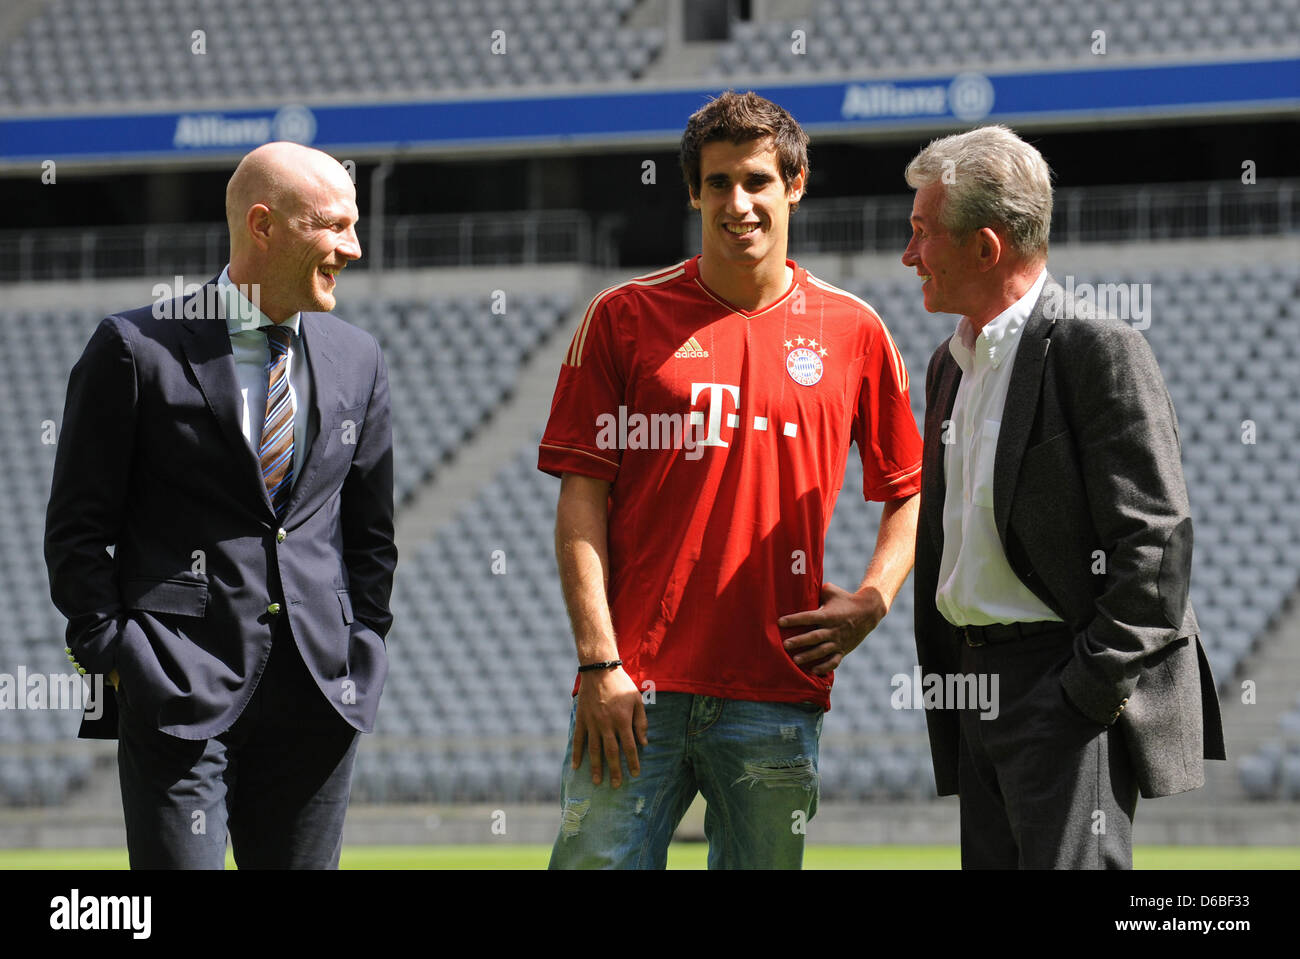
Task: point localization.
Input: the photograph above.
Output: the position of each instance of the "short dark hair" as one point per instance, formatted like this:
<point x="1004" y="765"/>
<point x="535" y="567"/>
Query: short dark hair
<point x="739" y="118"/>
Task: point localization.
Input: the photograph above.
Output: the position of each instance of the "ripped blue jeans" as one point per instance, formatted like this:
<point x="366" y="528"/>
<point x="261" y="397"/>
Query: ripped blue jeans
<point x="755" y="763"/>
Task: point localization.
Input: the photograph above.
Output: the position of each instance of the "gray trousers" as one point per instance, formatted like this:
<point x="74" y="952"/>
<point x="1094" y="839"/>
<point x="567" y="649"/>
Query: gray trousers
<point x="1041" y="785"/>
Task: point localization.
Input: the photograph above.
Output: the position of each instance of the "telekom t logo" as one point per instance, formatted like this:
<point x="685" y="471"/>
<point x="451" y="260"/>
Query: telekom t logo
<point x="713" y="435"/>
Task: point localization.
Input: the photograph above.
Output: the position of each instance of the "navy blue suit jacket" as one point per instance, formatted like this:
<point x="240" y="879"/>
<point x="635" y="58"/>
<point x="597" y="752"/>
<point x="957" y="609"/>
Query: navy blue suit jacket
<point x="151" y="461"/>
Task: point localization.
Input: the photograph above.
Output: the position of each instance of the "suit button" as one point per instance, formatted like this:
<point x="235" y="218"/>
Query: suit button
<point x="273" y="609"/>
<point x="280" y="534"/>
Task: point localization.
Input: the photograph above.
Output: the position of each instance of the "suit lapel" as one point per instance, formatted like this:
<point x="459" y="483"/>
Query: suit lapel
<point x="1020" y="407"/>
<point x="323" y="364"/>
<point x="206" y="344"/>
<point x="938" y="412"/>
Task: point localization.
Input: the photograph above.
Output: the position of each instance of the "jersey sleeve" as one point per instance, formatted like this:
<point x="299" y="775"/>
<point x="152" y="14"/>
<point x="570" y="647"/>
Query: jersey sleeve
<point x="587" y="396"/>
<point x="884" y="427"/>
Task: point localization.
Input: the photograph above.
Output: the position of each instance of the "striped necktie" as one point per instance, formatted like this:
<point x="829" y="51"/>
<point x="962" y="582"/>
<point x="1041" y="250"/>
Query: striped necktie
<point x="276" y="454"/>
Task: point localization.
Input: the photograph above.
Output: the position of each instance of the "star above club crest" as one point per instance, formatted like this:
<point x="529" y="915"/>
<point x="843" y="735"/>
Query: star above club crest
<point x="788" y="344"/>
<point x="812" y="344"/>
<point x="799" y="340"/>
<point x="822" y="351"/>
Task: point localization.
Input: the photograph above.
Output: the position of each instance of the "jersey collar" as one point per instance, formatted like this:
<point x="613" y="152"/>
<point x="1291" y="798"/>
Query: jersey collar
<point x="800" y="277"/>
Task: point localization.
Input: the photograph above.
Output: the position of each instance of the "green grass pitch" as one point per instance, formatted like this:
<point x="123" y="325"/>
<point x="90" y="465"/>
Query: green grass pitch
<point x="681" y="856"/>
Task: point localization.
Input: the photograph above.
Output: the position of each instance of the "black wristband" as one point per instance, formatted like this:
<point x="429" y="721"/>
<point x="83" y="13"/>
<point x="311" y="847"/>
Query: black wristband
<point x="608" y="664"/>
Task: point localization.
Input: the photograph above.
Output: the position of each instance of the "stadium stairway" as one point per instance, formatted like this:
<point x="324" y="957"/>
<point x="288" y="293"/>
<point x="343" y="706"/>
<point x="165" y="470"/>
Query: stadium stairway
<point x="511" y="423"/>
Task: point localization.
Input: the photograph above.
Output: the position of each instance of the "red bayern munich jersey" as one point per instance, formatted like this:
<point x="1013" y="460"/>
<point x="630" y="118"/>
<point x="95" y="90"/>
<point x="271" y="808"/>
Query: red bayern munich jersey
<point x="717" y="529"/>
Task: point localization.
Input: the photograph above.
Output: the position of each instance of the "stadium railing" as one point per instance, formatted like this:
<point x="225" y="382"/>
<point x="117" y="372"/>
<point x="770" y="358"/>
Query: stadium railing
<point x="1091" y="214"/>
<point x="409" y="242"/>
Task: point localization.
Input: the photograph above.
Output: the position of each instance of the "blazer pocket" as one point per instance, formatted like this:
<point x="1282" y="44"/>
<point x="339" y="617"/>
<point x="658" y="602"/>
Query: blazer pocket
<point x="345" y="433"/>
<point x="177" y="597"/>
<point x="1052" y="445"/>
<point x="345" y="603"/>
<point x="1050" y="470"/>
<point x="353" y="415"/>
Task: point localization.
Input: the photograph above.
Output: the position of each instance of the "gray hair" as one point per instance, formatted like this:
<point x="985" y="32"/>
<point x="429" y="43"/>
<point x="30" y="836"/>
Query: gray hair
<point x="992" y="178"/>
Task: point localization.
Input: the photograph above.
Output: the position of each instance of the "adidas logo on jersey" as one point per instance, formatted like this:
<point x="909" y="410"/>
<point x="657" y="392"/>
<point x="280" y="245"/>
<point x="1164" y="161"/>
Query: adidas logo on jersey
<point x="691" y="350"/>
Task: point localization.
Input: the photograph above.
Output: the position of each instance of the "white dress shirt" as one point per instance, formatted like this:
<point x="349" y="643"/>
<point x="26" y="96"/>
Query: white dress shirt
<point x="252" y="352"/>
<point x="977" y="586"/>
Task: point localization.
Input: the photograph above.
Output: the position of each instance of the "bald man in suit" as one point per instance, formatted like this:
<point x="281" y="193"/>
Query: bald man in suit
<point x="233" y="449"/>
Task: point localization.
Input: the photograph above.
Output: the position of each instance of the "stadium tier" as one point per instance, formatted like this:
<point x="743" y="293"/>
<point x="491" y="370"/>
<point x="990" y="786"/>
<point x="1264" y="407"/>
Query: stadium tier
<point x="866" y="36"/>
<point x="71" y="53"/>
<point x="477" y="702"/>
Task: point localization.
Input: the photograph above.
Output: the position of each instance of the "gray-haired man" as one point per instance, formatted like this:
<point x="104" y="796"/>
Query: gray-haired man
<point x="1054" y="544"/>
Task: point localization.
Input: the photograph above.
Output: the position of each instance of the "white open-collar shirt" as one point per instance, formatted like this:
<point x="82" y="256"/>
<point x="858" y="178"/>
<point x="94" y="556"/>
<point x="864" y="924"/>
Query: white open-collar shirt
<point x="977" y="586"/>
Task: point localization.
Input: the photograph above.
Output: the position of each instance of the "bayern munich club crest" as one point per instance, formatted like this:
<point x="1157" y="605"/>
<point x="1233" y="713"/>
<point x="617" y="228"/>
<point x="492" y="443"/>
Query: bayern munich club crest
<point x="803" y="361"/>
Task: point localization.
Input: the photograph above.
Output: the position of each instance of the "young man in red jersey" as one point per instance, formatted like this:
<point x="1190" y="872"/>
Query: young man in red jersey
<point x="701" y="425"/>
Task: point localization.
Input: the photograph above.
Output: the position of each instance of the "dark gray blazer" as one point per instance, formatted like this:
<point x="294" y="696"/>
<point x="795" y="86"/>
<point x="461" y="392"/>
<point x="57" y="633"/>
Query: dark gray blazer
<point x="1088" y="458"/>
<point x="151" y="461"/>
